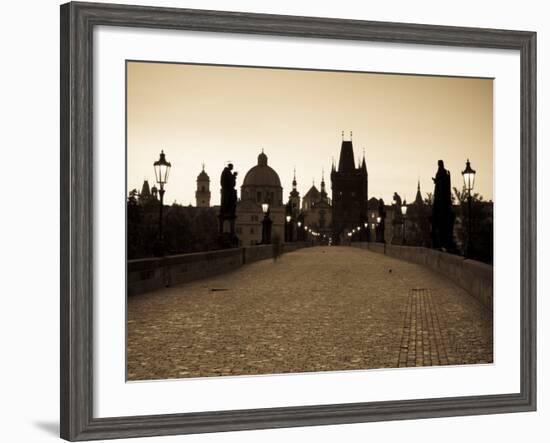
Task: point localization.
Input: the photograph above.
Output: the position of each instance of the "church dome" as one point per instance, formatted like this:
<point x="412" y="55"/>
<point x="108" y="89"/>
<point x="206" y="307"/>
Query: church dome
<point x="203" y="176"/>
<point x="262" y="174"/>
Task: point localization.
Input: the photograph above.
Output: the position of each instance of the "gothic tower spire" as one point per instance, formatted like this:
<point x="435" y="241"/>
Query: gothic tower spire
<point x="418" y="199"/>
<point x="323" y="187"/>
<point x="347" y="162"/>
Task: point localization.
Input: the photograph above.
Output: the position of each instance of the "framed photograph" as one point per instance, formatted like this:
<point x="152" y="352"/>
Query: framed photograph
<point x="273" y="221"/>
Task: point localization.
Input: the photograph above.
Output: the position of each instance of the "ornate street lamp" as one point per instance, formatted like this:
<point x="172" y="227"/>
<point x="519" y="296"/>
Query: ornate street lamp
<point x="469" y="176"/>
<point x="266" y="225"/>
<point x="162" y="170"/>
<point x="404" y="214"/>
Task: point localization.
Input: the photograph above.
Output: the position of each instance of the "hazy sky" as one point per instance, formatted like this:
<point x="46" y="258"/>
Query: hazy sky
<point x="214" y="114"/>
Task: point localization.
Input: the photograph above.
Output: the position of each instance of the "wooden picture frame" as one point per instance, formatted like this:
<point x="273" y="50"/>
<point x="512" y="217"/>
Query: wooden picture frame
<point x="77" y="217"/>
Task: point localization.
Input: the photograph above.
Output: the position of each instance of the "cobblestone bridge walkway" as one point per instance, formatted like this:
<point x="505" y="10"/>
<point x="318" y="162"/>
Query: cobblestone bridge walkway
<point x="316" y="309"/>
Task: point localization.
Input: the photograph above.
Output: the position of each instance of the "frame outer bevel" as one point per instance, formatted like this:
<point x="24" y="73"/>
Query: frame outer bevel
<point x="76" y="220"/>
<point x="64" y="125"/>
<point x="76" y="354"/>
<point x="528" y="208"/>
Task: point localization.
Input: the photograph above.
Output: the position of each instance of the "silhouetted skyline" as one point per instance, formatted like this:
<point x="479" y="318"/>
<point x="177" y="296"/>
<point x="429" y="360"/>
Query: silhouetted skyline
<point x="215" y="114"/>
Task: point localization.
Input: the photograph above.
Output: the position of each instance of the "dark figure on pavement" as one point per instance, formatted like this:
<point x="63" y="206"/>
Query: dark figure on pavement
<point x="276" y="246"/>
<point x="442" y="213"/>
<point x="381" y="226"/>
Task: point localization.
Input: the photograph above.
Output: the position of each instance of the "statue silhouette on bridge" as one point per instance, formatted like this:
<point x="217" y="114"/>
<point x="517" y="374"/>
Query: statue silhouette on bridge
<point x="442" y="212"/>
<point x="228" y="208"/>
<point x="397" y="220"/>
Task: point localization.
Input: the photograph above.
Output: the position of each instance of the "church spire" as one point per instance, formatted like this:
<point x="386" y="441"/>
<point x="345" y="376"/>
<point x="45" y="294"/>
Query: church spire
<point x="294" y="194"/>
<point x="324" y="197"/>
<point x="418" y="199"/>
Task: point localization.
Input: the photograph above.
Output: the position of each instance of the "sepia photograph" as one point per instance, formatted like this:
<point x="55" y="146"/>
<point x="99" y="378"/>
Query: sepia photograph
<point x="286" y="221"/>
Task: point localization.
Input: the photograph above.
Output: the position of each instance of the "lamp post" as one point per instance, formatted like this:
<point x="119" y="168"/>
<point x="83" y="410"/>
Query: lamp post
<point x="288" y="229"/>
<point x="469" y="176"/>
<point x="378" y="220"/>
<point x="299" y="230"/>
<point x="404" y="214"/>
<point x="162" y="170"/>
<point x="373" y="230"/>
<point x="266" y="225"/>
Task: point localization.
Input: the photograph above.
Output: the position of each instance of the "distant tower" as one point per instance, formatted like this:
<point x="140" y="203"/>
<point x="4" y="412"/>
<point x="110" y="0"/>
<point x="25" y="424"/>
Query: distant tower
<point x="349" y="192"/>
<point x="202" y="195"/>
<point x="294" y="197"/>
<point x="145" y="194"/>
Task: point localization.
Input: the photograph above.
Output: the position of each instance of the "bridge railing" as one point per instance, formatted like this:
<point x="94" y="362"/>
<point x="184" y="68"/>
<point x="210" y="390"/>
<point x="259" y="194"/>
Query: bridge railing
<point x="150" y="274"/>
<point x="473" y="276"/>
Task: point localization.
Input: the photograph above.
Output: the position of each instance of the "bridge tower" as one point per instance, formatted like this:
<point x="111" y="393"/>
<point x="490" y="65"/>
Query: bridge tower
<point x="202" y="194"/>
<point x="349" y="192"/>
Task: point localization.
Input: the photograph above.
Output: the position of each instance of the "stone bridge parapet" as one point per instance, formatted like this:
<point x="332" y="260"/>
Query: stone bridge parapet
<point x="149" y="274"/>
<point x="473" y="276"/>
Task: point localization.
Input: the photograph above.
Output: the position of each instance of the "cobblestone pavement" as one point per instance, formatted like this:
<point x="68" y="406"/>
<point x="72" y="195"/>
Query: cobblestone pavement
<point x="316" y="309"/>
